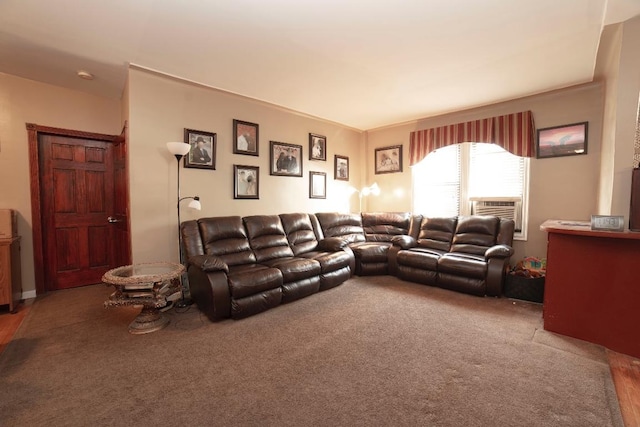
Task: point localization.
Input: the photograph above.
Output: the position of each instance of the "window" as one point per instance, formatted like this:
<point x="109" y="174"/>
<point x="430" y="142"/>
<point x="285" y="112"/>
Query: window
<point x="471" y="178"/>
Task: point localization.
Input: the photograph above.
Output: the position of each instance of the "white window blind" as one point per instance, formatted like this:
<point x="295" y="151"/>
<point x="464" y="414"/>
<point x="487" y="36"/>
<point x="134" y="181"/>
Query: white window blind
<point x="494" y="172"/>
<point x="436" y="184"/>
<point x="446" y="180"/>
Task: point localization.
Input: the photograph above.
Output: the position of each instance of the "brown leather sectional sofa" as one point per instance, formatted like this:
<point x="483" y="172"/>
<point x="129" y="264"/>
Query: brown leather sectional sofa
<point x="238" y="267"/>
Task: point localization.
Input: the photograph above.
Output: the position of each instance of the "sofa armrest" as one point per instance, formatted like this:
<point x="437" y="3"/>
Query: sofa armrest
<point x="499" y="251"/>
<point x="332" y="244"/>
<point x="405" y="242"/>
<point x="209" y="263"/>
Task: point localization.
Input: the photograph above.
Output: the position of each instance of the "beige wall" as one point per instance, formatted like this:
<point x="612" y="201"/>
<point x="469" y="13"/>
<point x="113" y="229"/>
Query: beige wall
<point x="26" y="101"/>
<point x="562" y="187"/>
<point x="159" y="110"/>
<point x="608" y="64"/>
<point x="623" y="86"/>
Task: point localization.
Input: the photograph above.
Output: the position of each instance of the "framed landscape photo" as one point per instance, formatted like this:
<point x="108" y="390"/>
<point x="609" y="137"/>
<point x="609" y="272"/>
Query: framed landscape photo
<point x="246" y="182"/>
<point x="317" y="147"/>
<point x="285" y="159"/>
<point x="245" y="138"/>
<point x="317" y="185"/>
<point x="388" y="159"/>
<point x="202" y="154"/>
<point x="341" y="168"/>
<point x="565" y="140"/>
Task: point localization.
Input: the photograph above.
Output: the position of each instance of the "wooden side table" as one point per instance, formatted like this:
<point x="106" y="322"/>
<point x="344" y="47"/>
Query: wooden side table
<point x="10" y="273"/>
<point x="148" y="285"/>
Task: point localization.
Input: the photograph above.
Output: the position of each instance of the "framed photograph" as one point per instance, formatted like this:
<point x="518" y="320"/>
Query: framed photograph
<point x="203" y="149"/>
<point x="286" y="159"/>
<point x="341" y="168"/>
<point x="245" y="138"/>
<point x="317" y="185"/>
<point x="388" y="159"/>
<point x="246" y="182"/>
<point x="566" y="140"/>
<point x="317" y="147"/>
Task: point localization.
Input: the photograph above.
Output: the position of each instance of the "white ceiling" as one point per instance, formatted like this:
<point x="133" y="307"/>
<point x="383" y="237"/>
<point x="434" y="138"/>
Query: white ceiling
<point x="362" y="63"/>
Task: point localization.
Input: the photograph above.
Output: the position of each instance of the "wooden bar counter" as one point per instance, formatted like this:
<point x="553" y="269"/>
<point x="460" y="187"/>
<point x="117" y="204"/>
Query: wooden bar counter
<point x="592" y="287"/>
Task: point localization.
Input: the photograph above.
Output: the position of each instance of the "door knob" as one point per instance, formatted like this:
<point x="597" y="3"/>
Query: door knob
<point x="112" y="220"/>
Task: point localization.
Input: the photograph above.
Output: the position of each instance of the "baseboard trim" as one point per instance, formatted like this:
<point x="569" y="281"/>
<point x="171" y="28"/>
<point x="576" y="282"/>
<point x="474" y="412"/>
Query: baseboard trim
<point x="29" y="294"/>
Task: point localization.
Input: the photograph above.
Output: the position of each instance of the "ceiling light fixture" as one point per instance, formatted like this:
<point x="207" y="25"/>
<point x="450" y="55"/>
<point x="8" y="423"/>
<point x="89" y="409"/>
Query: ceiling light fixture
<point x="85" y="75"/>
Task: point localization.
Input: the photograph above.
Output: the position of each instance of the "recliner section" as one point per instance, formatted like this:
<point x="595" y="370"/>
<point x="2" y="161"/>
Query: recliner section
<point x="466" y="254"/>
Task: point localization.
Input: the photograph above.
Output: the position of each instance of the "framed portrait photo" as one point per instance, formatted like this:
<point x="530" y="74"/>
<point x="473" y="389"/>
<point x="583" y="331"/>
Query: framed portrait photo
<point x="317" y="147"/>
<point x="317" y="185"/>
<point x="246" y="182"/>
<point x="566" y="140"/>
<point x="341" y="168"/>
<point x="202" y="154"/>
<point x="285" y="159"/>
<point x="245" y="138"/>
<point x="388" y="159"/>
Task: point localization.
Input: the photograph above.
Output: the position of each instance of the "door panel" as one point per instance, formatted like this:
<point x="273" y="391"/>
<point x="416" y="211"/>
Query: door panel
<point x="77" y="194"/>
<point x="121" y="202"/>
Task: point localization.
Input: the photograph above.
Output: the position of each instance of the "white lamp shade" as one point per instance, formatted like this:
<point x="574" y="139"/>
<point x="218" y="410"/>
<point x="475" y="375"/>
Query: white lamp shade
<point x="178" y="148"/>
<point x="375" y="190"/>
<point x="195" y="204"/>
<point x="365" y="191"/>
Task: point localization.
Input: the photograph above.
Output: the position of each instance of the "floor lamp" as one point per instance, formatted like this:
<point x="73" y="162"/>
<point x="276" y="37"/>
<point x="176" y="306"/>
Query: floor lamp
<point x="365" y="191"/>
<point x="179" y="150"/>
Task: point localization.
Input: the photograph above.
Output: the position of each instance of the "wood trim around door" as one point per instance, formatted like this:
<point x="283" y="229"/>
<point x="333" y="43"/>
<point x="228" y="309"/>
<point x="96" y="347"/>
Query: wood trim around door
<point x="34" y="170"/>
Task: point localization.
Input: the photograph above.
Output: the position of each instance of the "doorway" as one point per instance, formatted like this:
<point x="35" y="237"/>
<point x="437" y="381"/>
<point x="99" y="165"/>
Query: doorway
<point x="80" y="203"/>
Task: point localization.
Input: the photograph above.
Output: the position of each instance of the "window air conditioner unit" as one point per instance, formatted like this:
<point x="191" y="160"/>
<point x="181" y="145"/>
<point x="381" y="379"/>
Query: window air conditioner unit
<point x="503" y="207"/>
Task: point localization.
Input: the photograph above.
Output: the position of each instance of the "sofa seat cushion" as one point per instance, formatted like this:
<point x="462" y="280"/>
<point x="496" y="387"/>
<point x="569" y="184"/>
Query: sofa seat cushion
<point x="249" y="279"/>
<point x="329" y="261"/>
<point x="466" y="265"/>
<point x="293" y="268"/>
<point x="371" y="251"/>
<point x="420" y="258"/>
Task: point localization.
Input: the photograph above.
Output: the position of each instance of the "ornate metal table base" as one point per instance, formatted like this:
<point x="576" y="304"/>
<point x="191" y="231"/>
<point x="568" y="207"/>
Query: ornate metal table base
<point x="149" y="320"/>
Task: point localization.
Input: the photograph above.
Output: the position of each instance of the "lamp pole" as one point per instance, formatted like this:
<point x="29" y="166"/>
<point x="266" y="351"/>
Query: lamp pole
<point x="179" y="150"/>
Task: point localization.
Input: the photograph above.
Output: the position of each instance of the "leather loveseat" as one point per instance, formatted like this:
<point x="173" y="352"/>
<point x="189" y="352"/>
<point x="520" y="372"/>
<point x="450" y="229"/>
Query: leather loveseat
<point x="242" y="266"/>
<point x="468" y="254"/>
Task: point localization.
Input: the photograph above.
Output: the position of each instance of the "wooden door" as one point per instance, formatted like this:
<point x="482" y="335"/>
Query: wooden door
<point x="77" y="198"/>
<point x="121" y="226"/>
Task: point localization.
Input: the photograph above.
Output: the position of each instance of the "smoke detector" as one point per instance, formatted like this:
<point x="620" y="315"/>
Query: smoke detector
<point x="85" y="75"/>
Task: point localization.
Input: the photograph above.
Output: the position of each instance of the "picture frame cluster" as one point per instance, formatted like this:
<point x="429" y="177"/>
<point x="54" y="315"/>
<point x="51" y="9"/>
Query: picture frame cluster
<point x="285" y="159"/>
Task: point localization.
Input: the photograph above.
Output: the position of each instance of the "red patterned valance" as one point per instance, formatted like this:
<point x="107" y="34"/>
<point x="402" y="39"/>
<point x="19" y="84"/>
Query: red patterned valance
<point x="513" y="132"/>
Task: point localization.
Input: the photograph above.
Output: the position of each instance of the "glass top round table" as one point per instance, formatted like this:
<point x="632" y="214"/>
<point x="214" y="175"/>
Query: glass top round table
<point x="151" y="272"/>
<point x="148" y="285"/>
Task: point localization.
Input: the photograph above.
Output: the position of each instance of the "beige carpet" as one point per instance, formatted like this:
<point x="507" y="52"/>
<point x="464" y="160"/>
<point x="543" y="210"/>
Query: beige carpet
<point x="373" y="351"/>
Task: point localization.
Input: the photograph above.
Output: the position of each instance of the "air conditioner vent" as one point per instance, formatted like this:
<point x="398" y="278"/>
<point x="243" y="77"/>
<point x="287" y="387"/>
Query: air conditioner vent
<point x="500" y="207"/>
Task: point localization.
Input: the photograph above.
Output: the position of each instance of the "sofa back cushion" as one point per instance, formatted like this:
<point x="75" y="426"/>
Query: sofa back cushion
<point x="437" y="233"/>
<point x="475" y="234"/>
<point x="191" y="240"/>
<point x="383" y="226"/>
<point x="505" y="232"/>
<point x="225" y="237"/>
<point x="345" y="225"/>
<point x="267" y="237"/>
<point x="300" y="232"/>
